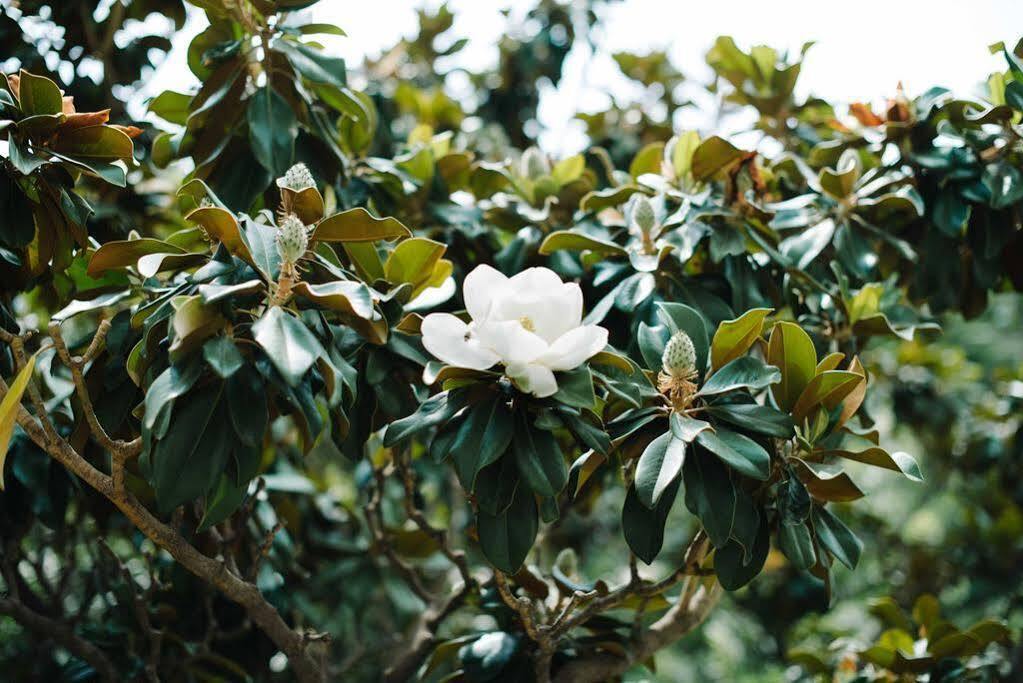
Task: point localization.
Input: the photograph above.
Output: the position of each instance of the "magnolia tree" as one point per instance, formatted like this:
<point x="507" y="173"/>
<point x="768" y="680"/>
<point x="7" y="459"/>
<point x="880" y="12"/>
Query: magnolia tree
<point x="367" y="395"/>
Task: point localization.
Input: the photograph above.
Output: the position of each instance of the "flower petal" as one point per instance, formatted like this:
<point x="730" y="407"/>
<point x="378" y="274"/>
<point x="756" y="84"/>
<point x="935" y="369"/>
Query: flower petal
<point x="572" y="349"/>
<point x="513" y="343"/>
<point x="533" y="379"/>
<point x="447" y="338"/>
<point x="479" y="288"/>
<point x="550" y="311"/>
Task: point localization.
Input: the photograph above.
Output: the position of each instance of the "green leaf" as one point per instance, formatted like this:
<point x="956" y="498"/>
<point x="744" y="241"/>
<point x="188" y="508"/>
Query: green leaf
<point x="687" y="428"/>
<point x="173" y="382"/>
<point x="540" y="460"/>
<point x="755" y="418"/>
<point x="260" y="244"/>
<point x="496" y="485"/>
<point x="38" y="95"/>
<point x="903" y="463"/>
<point x="171" y="106"/>
<point x="506" y="538"/>
<point x="740" y="452"/>
<point x="733" y="338"/>
<point x="327" y="29"/>
<point x="647" y="160"/>
<point x="483" y="437"/>
<point x="642" y="527"/>
<point x="735" y="566"/>
<point x="123" y="253"/>
<point x="313" y="64"/>
<point x="272" y="130"/>
<point x="598" y="200"/>
<point x="714" y="155"/>
<point x="796" y="542"/>
<point x="223" y="356"/>
<point x="225" y="499"/>
<point x="95" y="143"/>
<point x="588" y="433"/>
<point x="187" y="462"/>
<point x="247" y="408"/>
<point x="9" y="410"/>
<point x="801" y="250"/>
<point x="221" y="225"/>
<point x="659" y="467"/>
<point x="827" y="482"/>
<point x="828" y="388"/>
<point x="575" y="388"/>
<point x="434" y="411"/>
<point x="836" y="537"/>
<point x="746" y="372"/>
<point x="344" y="296"/>
<point x="791" y="350"/>
<point x="413" y="261"/>
<point x="359" y="225"/>
<point x="710" y="494"/>
<point x="291" y="347"/>
<point x="651" y="342"/>
<point x="569" y="169"/>
<point x="572" y="240"/>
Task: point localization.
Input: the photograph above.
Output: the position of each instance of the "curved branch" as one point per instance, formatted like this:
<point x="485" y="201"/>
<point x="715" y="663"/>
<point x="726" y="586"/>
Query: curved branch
<point x="61" y="633"/>
<point x="214" y="572"/>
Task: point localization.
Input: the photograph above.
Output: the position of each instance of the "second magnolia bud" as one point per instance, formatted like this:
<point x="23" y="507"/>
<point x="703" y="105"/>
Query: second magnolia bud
<point x="679" y="357"/>
<point x="292" y="238"/>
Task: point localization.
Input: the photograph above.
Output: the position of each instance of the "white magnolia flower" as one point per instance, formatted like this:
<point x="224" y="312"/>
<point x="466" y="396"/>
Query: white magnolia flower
<point x="530" y="323"/>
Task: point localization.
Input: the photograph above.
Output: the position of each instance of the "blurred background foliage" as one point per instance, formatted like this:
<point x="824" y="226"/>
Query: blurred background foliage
<point x="954" y="400"/>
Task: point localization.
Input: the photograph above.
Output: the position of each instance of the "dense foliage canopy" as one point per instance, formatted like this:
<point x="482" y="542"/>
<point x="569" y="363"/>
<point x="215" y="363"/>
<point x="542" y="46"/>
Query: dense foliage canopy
<point x="318" y="377"/>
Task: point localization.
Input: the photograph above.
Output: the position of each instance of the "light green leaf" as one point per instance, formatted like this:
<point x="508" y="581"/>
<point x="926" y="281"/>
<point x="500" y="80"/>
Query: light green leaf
<point x="9" y="410"/>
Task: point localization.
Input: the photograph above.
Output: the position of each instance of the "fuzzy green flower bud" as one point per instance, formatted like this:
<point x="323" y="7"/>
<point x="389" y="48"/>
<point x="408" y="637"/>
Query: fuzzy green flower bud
<point x="297" y="178"/>
<point x="292" y="238"/>
<point x="679" y="357"/>
<point x="534" y="164"/>
<point x="643" y="216"/>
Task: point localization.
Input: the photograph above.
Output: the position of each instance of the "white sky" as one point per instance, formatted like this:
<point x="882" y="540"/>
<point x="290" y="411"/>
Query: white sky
<point x="862" y="50"/>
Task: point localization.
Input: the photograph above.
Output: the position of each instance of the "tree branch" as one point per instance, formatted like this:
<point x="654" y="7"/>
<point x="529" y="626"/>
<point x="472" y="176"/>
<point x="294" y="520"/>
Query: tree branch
<point x="62" y="634"/>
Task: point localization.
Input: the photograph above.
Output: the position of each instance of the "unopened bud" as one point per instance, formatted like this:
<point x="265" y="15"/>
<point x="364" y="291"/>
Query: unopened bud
<point x="292" y="238"/>
<point x="679" y="357"/>
<point x="643" y="216"/>
<point x="297" y="178"/>
<point x="534" y="164"/>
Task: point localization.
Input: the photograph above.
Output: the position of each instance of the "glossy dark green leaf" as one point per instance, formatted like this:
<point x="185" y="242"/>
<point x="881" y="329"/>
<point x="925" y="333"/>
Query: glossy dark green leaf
<point x="222" y="502"/>
<point x="483" y="437"/>
<point x="710" y="494"/>
<point x="659" y="467"/>
<point x="506" y="538"/>
<point x="644" y="528"/>
<point x="796" y="542"/>
<point x="540" y="460"/>
<point x="187" y="462"/>
<point x="223" y="356"/>
<point x="836" y="537"/>
<point x="740" y="452"/>
<point x="755" y="418"/>
<point x="736" y="566"/>
<point x="575" y="388"/>
<point x="746" y="372"/>
<point x="272" y="130"/>
<point x="288" y="343"/>
<point x="434" y="411"/>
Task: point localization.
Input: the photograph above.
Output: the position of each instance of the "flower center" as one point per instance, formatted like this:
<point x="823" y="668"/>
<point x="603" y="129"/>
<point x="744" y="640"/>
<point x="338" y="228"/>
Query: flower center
<point x="527" y="323"/>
